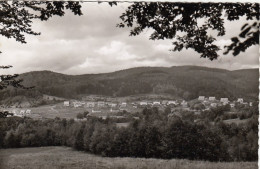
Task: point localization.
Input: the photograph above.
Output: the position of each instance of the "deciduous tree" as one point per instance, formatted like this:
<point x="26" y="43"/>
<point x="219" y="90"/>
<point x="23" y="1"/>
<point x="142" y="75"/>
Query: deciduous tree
<point x="16" y="18"/>
<point x="181" y="22"/>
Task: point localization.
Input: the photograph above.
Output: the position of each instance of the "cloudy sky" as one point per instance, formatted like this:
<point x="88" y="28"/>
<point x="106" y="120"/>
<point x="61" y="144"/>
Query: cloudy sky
<point x="92" y="44"/>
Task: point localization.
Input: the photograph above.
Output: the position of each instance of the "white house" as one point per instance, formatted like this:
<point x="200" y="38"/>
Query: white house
<point x="90" y="104"/>
<point x="212" y="98"/>
<point x="172" y="102"/>
<point x="240" y="100"/>
<point x="213" y="105"/>
<point x="150" y="103"/>
<point x="22" y="112"/>
<point x="96" y="111"/>
<point x="16" y="113"/>
<point x="232" y="105"/>
<point x="123" y="104"/>
<point x="224" y="100"/>
<point x="28" y="111"/>
<point x="143" y="103"/>
<point x="184" y="103"/>
<point x="156" y="103"/>
<point x="114" y="110"/>
<point x="66" y="103"/>
<point x="164" y="102"/>
<point x="77" y="104"/>
<point x="112" y="104"/>
<point x="101" y="104"/>
<point x="19" y="114"/>
<point x="201" y="98"/>
<point x="82" y="103"/>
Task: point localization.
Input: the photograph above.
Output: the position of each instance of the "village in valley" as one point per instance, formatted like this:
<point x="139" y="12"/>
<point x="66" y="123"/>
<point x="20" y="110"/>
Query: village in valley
<point x="120" y="108"/>
<point x="129" y="85"/>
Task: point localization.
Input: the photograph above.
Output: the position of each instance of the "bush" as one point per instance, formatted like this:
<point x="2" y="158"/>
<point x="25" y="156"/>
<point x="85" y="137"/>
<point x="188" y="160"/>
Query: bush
<point x="80" y="116"/>
<point x="154" y="135"/>
<point x="242" y="116"/>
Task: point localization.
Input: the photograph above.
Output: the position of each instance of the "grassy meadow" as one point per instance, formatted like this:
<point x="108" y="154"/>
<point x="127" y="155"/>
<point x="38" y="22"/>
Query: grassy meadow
<point x="67" y="158"/>
<point x="58" y="110"/>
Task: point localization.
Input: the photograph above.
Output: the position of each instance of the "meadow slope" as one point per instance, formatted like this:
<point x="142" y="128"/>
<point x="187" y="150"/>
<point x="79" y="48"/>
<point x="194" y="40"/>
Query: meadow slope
<point x="67" y="158"/>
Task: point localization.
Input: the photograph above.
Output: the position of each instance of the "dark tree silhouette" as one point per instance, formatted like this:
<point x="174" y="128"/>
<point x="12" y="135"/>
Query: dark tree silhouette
<point x="15" y="21"/>
<point x="9" y="80"/>
<point x="16" y="16"/>
<point x="180" y="22"/>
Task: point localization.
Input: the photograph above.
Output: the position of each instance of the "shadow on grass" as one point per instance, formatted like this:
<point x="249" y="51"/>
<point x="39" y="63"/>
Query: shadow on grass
<point x="2" y="160"/>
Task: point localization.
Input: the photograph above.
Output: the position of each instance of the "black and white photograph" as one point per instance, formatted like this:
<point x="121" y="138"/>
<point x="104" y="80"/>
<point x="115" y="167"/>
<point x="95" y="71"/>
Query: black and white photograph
<point x="129" y="84"/>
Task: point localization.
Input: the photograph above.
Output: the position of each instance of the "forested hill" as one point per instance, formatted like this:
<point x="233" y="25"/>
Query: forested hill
<point x="187" y="82"/>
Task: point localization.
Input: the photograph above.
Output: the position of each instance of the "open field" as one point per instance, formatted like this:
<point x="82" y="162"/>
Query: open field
<point x="58" y="110"/>
<point x="67" y="158"/>
<point x="52" y="111"/>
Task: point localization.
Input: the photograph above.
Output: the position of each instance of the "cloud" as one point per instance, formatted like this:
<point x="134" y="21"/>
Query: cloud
<point x="222" y="43"/>
<point x="117" y="50"/>
<point x="93" y="44"/>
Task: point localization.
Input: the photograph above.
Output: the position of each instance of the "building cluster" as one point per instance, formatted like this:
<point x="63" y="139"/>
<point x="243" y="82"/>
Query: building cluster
<point x="115" y="106"/>
<point x="21" y="113"/>
<point x="162" y="103"/>
<point x="92" y="104"/>
<point x="97" y="106"/>
<point x="213" y="102"/>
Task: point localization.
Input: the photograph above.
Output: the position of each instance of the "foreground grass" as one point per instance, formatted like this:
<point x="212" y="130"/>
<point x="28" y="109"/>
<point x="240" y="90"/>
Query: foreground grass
<point x="67" y="158"/>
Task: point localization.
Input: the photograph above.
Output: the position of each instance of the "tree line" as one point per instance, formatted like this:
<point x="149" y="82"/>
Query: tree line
<point x="154" y="135"/>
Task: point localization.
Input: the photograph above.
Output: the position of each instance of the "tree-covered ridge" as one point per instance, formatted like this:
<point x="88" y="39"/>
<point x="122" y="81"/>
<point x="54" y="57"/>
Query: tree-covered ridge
<point x="165" y="18"/>
<point x="16" y="18"/>
<point x="10" y="80"/>
<point x="187" y="82"/>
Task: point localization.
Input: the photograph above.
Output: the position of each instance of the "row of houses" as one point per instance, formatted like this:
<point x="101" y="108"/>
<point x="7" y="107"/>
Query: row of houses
<point x="93" y="104"/>
<point x="212" y="98"/>
<point x="210" y="101"/>
<point x="19" y="113"/>
<point x="164" y="103"/>
<point x="223" y="101"/>
<point x="100" y="104"/>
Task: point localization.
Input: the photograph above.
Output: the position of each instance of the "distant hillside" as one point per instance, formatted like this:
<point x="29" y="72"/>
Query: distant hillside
<point x="187" y="82"/>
